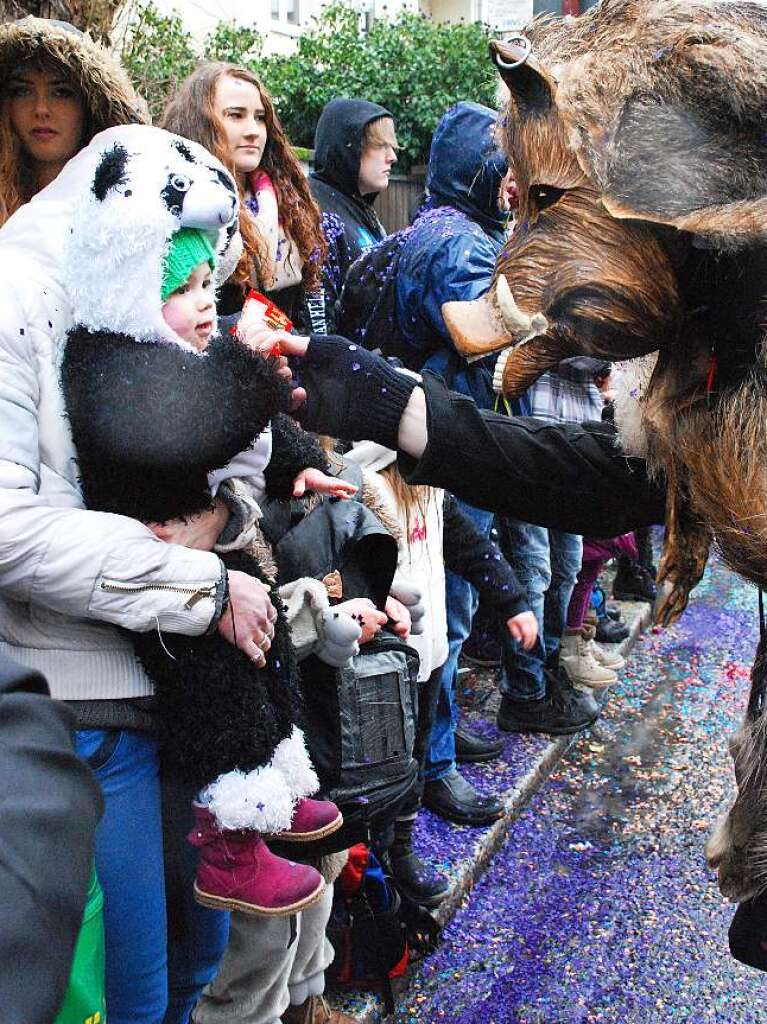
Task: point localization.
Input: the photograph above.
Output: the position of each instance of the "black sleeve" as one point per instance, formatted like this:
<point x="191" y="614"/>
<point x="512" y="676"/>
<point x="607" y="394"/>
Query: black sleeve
<point x="474" y="557"/>
<point x="564" y="476"/>
<point x="293" y="449"/>
<point x="49" y="810"/>
<point x="157" y="404"/>
<point x="351" y="393"/>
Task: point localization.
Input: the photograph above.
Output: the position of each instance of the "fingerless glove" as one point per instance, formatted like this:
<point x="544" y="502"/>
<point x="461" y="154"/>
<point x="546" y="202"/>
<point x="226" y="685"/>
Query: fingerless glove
<point x="351" y="393"/>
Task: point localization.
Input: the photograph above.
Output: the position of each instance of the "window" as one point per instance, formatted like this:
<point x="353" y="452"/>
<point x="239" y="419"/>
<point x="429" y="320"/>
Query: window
<point x="275" y="10"/>
<point x="292" y="15"/>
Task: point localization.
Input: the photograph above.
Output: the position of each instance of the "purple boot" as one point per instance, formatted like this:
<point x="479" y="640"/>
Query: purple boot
<point x="237" y="871"/>
<point x="312" y="820"/>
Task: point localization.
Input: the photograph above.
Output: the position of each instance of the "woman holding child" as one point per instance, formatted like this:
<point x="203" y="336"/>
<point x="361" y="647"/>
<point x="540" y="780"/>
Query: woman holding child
<point x="58" y="89"/>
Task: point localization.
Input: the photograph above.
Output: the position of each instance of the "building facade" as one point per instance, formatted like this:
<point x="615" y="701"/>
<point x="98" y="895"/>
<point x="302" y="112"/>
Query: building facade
<point x="281" y="22"/>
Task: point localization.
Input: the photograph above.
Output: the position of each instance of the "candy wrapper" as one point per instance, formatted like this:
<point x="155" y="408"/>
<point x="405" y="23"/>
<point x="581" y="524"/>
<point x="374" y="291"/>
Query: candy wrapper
<point x="259" y="310"/>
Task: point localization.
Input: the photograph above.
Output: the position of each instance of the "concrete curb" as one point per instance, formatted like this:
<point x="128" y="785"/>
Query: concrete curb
<point x="638" y="617"/>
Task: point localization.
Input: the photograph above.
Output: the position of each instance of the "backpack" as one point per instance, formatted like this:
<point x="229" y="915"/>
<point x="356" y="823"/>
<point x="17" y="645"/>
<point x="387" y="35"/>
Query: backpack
<point x="359" y="720"/>
<point x="374" y="930"/>
<point x="366" y="312"/>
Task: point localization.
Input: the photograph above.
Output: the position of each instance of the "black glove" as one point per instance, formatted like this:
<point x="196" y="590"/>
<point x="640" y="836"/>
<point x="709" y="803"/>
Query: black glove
<point x="351" y="393"/>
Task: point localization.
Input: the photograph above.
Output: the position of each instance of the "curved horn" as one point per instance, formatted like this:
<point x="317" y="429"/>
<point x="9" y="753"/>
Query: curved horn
<point x="521" y="325"/>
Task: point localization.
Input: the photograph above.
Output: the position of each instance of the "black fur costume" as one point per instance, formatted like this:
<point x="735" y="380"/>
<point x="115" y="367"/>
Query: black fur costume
<point x="150" y="421"/>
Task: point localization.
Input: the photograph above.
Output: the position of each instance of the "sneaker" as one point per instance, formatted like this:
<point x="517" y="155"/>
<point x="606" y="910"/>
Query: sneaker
<point x="601" y="607"/>
<point x="455" y="799"/>
<point x="577" y="659"/>
<point x="238" y="871"/>
<point x="472" y="748"/>
<point x="315" y="1010"/>
<point x="562" y="712"/>
<point x="633" y="582"/>
<point x="312" y="820"/>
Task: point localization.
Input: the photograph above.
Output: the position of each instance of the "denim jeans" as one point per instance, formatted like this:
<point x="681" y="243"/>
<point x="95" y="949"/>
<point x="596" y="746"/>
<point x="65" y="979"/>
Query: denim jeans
<point x="546" y="563"/>
<point x="129" y="863"/>
<point x="461" y="600"/>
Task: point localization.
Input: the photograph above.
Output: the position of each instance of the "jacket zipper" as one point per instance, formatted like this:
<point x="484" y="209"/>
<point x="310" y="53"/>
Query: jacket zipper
<point x="196" y="593"/>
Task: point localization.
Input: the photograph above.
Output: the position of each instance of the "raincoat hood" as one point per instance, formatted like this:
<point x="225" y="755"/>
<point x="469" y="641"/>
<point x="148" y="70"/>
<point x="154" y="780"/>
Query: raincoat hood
<point x="466" y="167"/>
<point x="338" y="144"/>
<point x="110" y="99"/>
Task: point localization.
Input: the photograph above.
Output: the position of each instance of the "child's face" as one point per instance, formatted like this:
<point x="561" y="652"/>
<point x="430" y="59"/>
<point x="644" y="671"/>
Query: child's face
<point x="190" y="310"/>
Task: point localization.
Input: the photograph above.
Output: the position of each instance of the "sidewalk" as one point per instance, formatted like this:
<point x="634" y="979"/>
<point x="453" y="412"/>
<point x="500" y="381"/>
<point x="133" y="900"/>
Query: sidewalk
<point x="463" y="854"/>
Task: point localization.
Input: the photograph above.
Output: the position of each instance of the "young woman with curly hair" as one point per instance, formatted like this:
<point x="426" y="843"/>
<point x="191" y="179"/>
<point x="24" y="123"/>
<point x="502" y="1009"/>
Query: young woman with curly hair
<point x="286" y="252"/>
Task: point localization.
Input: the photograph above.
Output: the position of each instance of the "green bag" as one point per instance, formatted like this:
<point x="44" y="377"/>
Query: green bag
<point x="85" y="1001"/>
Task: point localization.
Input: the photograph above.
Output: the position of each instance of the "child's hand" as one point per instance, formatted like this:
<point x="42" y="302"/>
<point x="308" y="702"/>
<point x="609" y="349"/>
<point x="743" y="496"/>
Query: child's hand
<point x="365" y="614"/>
<point x="399" y="617"/>
<point x="316" y="480"/>
<point x="524" y="628"/>
<point x="278" y="345"/>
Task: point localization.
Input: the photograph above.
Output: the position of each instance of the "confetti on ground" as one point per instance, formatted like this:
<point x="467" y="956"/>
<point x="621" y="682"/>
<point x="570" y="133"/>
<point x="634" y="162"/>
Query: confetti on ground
<point x="600" y="909"/>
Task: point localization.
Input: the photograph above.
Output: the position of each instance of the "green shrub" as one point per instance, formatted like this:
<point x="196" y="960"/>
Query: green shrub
<point x="409" y="64"/>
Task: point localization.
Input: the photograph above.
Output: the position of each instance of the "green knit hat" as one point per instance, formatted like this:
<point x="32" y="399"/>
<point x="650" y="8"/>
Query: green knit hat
<point x="187" y="249"/>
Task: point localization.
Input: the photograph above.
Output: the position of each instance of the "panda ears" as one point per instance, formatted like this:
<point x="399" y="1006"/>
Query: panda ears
<point x="110" y="172"/>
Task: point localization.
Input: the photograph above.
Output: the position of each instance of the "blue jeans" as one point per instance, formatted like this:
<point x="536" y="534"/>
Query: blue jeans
<point x="129" y="862"/>
<point x="461" y="600"/>
<point x="547" y="564"/>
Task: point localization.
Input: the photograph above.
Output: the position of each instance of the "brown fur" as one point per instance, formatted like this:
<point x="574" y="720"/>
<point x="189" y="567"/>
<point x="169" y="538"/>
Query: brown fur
<point x="636" y="135"/>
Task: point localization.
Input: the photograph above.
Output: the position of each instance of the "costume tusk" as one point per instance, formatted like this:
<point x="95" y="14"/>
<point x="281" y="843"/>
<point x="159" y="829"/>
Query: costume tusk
<point x="521" y="325"/>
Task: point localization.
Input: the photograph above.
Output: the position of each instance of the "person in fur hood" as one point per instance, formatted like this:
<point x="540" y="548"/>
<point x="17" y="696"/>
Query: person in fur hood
<point x="158" y="402"/>
<point x="59" y="89"/>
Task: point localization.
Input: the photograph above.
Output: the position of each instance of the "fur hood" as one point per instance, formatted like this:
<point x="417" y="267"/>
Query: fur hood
<point x="109" y="96"/>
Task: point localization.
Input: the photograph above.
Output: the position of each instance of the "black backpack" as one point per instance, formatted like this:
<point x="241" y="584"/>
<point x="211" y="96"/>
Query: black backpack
<point x="366" y="312"/>
<point x="359" y="720"/>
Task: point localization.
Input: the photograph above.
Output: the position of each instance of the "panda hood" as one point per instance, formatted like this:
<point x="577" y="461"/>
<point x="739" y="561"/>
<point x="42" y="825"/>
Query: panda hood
<point x="96" y="237"/>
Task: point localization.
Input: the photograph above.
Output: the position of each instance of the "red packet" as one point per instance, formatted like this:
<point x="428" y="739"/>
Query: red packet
<point x="272" y="315"/>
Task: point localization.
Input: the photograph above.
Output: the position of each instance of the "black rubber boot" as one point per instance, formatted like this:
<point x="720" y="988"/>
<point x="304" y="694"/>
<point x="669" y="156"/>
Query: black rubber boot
<point x="417" y="881"/>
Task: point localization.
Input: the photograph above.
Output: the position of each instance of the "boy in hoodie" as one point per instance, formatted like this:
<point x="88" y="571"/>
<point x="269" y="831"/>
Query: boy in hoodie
<point x="354" y="149"/>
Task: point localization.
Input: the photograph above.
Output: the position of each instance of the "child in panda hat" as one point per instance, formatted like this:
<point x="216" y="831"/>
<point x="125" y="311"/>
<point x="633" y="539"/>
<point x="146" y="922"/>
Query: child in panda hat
<point x="158" y="402"/>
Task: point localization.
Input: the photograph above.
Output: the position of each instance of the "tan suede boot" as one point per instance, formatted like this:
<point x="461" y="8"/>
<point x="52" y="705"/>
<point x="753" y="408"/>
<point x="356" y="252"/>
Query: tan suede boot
<point x="577" y="659"/>
<point x="604" y="656"/>
<point x="315" y="1010"/>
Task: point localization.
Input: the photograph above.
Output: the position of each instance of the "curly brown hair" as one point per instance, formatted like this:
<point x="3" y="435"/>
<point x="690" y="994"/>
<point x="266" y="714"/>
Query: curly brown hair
<point x="191" y="113"/>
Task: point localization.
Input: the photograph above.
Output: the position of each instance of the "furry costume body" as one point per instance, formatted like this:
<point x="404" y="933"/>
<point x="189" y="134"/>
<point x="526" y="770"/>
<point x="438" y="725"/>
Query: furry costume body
<point x="150" y="418"/>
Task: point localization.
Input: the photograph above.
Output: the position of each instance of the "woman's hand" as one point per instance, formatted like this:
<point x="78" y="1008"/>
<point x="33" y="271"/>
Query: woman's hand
<point x="200" y="532"/>
<point x="399" y="617"/>
<point x="248" y="622"/>
<point x="524" y="629"/>
<point x="365" y="614"/>
<point x="321" y="483"/>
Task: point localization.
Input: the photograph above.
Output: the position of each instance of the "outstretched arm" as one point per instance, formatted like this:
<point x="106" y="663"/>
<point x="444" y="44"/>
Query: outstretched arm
<point x="564" y="476"/>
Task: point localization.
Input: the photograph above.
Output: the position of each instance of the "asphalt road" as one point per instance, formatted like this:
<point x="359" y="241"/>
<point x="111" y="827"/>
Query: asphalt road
<point x="600" y="907"/>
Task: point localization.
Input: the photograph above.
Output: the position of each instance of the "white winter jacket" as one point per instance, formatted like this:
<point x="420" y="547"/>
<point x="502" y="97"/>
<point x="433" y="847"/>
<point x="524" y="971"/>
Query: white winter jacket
<point x="69" y="576"/>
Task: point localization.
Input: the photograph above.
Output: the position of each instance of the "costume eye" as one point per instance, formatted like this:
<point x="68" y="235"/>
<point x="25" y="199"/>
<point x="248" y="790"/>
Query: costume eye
<point x="543" y="196"/>
<point x="180" y="183"/>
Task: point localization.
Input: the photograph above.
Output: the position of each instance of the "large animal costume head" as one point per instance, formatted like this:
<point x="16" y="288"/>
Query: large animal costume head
<point x="636" y="136"/>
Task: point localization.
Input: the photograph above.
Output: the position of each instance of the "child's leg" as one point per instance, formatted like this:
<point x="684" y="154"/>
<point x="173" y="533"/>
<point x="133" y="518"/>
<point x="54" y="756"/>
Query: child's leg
<point x="314" y="952"/>
<point x="251" y="986"/>
<point x="129" y="862"/>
